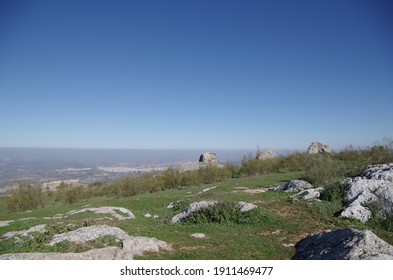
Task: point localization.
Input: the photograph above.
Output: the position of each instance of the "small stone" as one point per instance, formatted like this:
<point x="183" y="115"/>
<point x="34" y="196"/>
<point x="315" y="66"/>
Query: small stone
<point x="245" y="206"/>
<point x="148" y="215"/>
<point x="198" y="235"/>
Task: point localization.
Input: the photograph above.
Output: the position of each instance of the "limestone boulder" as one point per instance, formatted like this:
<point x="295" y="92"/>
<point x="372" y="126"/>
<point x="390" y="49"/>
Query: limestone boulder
<point x="319" y="148"/>
<point x="266" y="154"/>
<point x="343" y="244"/>
<point x="296" y="186"/>
<point x="245" y="206"/>
<point x="193" y="207"/>
<point x="208" y="158"/>
<point x="374" y="185"/>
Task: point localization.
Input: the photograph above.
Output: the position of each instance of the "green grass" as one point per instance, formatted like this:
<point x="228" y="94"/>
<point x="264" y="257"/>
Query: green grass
<point x="278" y="221"/>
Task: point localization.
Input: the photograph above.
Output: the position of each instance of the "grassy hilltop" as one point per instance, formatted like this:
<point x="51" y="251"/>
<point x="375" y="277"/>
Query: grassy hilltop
<point x="267" y="232"/>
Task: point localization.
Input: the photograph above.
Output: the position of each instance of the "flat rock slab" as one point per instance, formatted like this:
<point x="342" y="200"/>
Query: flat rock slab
<point x="85" y="234"/>
<point x="132" y="246"/>
<point x="24" y="233"/>
<point x="255" y="191"/>
<point x="198" y="235"/>
<point x="113" y="211"/>
<point x="343" y="244"/>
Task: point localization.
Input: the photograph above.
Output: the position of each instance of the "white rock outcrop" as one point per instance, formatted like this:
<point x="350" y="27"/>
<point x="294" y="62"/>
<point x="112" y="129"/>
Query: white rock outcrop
<point x="296" y="186"/>
<point x="343" y="244"/>
<point x="24" y="233"/>
<point x="208" y="158"/>
<point x="265" y="154"/>
<point x="319" y="148"/>
<point x="308" y="194"/>
<point x="245" y="206"/>
<point x="131" y="246"/>
<point x="193" y="207"/>
<point x="374" y="185"/>
<point x="113" y="211"/>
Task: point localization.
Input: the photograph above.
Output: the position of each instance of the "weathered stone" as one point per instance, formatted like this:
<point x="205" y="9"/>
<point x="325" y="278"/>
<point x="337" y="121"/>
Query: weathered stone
<point x="132" y="246"/>
<point x="113" y="211"/>
<point x="198" y="235"/>
<point x="343" y="244"/>
<point x="24" y="233"/>
<point x="308" y="194"/>
<point x="296" y="186"/>
<point x="265" y="154"/>
<point x="379" y="172"/>
<point x="245" y="206"/>
<point x="86" y="234"/>
<point x="193" y="207"/>
<point x="208" y="158"/>
<point x="374" y="185"/>
<point x="319" y="148"/>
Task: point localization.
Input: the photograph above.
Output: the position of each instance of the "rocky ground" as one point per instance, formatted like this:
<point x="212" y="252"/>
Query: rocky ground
<point x="373" y="185"/>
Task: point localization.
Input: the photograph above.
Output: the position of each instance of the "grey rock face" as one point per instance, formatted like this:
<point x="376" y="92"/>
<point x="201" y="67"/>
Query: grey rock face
<point x="266" y="154"/>
<point x="296" y="186"/>
<point x="245" y="206"/>
<point x="208" y="158"/>
<point x="372" y="186"/>
<point x="319" y="148"/>
<point x="379" y="172"/>
<point x="343" y="244"/>
<point x="195" y="206"/>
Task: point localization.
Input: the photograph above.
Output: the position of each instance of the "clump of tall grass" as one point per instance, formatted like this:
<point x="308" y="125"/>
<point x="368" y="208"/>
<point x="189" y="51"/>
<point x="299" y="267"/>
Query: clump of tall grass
<point x="25" y="197"/>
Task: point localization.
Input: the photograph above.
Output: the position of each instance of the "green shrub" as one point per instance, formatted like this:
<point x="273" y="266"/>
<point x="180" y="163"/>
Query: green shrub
<point x="381" y="219"/>
<point x="223" y="212"/>
<point x="323" y="170"/>
<point x="233" y="169"/>
<point x="336" y="191"/>
<point x="254" y="166"/>
<point x="25" y="197"/>
<point x="294" y="162"/>
<point x="126" y="186"/>
<point x="211" y="174"/>
<point x="172" y="178"/>
<point x="74" y="194"/>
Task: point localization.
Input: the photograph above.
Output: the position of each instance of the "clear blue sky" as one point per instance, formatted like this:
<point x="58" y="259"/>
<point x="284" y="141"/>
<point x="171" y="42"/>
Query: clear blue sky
<point x="195" y="74"/>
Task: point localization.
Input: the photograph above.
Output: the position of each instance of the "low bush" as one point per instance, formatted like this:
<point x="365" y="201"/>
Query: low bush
<point x="25" y="197"/>
<point x="381" y="218"/>
<point x="211" y="174"/>
<point x="223" y="212"/>
<point x="323" y="170"/>
<point x="254" y="166"/>
<point x="336" y="191"/>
